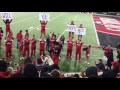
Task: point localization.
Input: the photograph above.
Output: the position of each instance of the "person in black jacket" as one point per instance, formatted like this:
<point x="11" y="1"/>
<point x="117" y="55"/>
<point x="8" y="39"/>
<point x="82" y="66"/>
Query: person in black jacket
<point x="62" y="39"/>
<point x="110" y="58"/>
<point x="118" y="51"/>
<point x="47" y="43"/>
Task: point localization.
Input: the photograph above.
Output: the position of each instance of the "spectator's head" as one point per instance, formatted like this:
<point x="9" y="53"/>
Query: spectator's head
<point x="30" y="71"/>
<point x="108" y="74"/>
<point x="76" y="76"/>
<point x="39" y="61"/>
<point x="17" y="75"/>
<point x="26" y="31"/>
<point x="115" y="64"/>
<point x="91" y="72"/>
<point x="100" y="66"/>
<point x="3" y="66"/>
<point x="45" y="75"/>
<point x="55" y="73"/>
<point x="27" y="61"/>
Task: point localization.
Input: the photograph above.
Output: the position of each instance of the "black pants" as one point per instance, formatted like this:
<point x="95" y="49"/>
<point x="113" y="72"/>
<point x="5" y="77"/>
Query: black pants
<point x="109" y="64"/>
<point x="18" y="43"/>
<point x="47" y="47"/>
<point x="52" y="67"/>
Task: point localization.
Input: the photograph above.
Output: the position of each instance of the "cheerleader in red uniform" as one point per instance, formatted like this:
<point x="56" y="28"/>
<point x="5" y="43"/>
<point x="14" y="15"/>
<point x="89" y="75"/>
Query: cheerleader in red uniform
<point x="43" y="26"/>
<point x="7" y="23"/>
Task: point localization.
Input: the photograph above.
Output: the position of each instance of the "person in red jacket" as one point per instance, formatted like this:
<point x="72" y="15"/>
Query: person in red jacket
<point x="79" y="44"/>
<point x="7" y="23"/>
<point x="19" y="36"/>
<point x="20" y="47"/>
<point x="43" y="26"/>
<point x="42" y="46"/>
<point x="80" y="36"/>
<point x="26" y="35"/>
<point x="71" y="33"/>
<point x="26" y="46"/>
<point x="8" y="44"/>
<point x="106" y="51"/>
<point x="33" y="46"/>
<point x="69" y="48"/>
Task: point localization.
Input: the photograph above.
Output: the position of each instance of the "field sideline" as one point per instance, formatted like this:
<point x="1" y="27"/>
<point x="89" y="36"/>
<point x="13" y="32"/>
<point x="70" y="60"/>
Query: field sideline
<point x="58" y="21"/>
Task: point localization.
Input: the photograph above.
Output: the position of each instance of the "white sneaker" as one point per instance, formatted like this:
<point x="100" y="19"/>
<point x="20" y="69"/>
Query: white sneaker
<point x="85" y="62"/>
<point x="88" y="63"/>
<point x="10" y="62"/>
<point x="59" y="58"/>
<point x="22" y="57"/>
<point x="11" y="57"/>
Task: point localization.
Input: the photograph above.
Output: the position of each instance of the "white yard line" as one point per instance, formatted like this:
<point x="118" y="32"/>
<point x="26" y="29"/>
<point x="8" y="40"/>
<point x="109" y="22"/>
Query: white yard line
<point x="98" y="42"/>
<point x="39" y="29"/>
<point x="61" y="35"/>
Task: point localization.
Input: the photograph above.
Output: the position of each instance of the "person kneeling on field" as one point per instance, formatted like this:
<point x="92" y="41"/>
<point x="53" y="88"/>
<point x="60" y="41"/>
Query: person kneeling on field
<point x="87" y="49"/>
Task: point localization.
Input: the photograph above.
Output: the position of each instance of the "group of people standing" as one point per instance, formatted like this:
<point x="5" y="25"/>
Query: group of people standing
<point x="52" y="42"/>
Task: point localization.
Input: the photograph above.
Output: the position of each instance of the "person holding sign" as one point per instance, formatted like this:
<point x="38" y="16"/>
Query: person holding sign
<point x="33" y="46"/>
<point x="79" y="44"/>
<point x="72" y="23"/>
<point x="80" y="36"/>
<point x="7" y="23"/>
<point x="69" y="48"/>
<point x="43" y="26"/>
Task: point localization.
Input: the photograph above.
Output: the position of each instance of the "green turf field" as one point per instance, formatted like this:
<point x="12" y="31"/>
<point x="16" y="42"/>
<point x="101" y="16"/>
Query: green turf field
<point x="58" y="21"/>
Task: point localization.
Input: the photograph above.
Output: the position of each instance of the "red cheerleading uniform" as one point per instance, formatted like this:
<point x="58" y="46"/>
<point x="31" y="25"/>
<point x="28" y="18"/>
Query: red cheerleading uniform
<point x="78" y="49"/>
